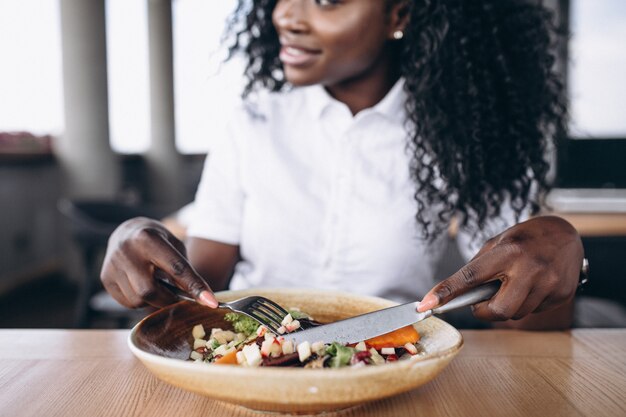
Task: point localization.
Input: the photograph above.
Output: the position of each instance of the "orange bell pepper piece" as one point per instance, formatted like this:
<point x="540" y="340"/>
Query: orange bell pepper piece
<point x="397" y="338"/>
<point x="229" y="359"/>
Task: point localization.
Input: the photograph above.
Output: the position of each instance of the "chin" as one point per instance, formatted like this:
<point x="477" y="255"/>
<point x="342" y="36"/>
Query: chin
<point x="299" y="78"/>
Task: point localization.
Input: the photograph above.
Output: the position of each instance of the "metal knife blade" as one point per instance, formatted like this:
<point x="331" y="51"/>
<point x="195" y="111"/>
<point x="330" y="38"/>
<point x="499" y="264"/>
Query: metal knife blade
<point x="362" y="327"/>
<point x="376" y="323"/>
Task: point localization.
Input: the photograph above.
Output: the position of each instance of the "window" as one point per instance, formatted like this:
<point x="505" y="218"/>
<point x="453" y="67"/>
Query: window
<point x="597" y="67"/>
<point x="204" y="88"/>
<point x="128" y="75"/>
<point x="31" y="79"/>
<point x="594" y="156"/>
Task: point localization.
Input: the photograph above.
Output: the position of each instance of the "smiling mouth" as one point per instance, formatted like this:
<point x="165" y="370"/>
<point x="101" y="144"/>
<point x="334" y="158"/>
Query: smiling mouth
<point x="296" y="56"/>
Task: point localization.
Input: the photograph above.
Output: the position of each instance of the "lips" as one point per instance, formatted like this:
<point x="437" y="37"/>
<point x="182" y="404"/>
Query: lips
<point x="297" y="56"/>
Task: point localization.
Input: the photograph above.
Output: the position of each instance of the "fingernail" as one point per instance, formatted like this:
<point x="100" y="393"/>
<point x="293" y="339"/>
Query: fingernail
<point x="428" y="303"/>
<point x="207" y="299"/>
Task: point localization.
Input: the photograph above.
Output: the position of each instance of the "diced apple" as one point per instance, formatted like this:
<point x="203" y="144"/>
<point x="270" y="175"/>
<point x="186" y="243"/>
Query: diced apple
<point x="198" y="343"/>
<point x="388" y="351"/>
<point x="198" y="332"/>
<point x="288" y="319"/>
<point x="215" y="330"/>
<point x="276" y="350"/>
<point x="212" y="344"/>
<point x="281" y="330"/>
<point x="261" y="330"/>
<point x="223" y="336"/>
<point x="241" y="358"/>
<point x="317" y="347"/>
<point x="376" y="358"/>
<point x="293" y="326"/>
<point x="410" y="347"/>
<point x="195" y="355"/>
<point x="222" y="350"/>
<point x="252" y="354"/>
<point x="361" y="347"/>
<point x="304" y="351"/>
<point x="266" y="347"/>
<point x="219" y="337"/>
<point x="287" y="347"/>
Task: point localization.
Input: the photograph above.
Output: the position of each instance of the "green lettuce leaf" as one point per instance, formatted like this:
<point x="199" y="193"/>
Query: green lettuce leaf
<point x="340" y="355"/>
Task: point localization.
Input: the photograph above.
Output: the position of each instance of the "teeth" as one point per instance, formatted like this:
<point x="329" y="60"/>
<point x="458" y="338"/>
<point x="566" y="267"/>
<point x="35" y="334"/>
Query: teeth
<point x="294" y="51"/>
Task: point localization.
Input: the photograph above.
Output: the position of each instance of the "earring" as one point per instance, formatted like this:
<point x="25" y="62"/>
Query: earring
<point x="398" y="34"/>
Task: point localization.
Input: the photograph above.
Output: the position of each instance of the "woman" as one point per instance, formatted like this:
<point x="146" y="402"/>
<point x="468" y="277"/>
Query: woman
<point x="383" y="121"/>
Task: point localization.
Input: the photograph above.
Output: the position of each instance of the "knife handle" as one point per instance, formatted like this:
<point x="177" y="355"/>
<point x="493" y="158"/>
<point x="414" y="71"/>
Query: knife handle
<point x="473" y="296"/>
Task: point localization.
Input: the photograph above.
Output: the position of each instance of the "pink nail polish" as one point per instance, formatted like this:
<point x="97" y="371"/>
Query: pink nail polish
<point x="207" y="299"/>
<point x="429" y="302"/>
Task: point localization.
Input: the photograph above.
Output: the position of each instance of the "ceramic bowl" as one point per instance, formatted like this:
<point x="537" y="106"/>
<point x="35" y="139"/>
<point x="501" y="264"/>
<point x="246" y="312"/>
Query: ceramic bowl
<point x="162" y="341"/>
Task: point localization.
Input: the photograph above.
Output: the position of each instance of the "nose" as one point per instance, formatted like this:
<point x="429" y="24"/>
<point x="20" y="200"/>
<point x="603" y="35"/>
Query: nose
<point x="290" y="16"/>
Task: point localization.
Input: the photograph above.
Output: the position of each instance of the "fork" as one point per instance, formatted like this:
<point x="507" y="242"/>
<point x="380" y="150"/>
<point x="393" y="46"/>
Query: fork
<point x="261" y="309"/>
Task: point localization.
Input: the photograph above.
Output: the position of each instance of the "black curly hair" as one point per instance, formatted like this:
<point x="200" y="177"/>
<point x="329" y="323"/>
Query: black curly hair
<point x="484" y="101"/>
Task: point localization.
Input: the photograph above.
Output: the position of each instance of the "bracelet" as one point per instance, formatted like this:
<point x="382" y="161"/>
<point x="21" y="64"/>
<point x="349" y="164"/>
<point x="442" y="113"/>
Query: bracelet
<point x="584" y="273"/>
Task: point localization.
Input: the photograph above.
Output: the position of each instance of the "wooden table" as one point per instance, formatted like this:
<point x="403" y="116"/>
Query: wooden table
<point x="498" y="373"/>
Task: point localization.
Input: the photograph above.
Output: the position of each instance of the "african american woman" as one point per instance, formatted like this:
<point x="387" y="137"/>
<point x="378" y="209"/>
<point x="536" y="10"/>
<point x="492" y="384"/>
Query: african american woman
<point x="365" y="128"/>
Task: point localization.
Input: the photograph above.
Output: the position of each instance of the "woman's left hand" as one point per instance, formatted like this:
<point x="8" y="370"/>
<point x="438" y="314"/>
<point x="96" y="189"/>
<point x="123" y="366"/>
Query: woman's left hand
<point x="538" y="262"/>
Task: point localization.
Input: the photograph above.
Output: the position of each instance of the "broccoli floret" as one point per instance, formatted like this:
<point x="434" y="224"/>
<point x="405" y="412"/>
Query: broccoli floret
<point x="242" y="324"/>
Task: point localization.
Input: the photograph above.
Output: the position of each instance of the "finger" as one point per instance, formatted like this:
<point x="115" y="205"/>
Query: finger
<point x="112" y="287"/>
<point x="165" y="256"/>
<point x="477" y="271"/>
<point x="503" y="306"/>
<point x="488" y="245"/>
<point x="178" y="245"/>
<point x="133" y="300"/>
<point x="555" y="291"/>
<point x="147" y="288"/>
<point x="553" y="301"/>
<point x="533" y="301"/>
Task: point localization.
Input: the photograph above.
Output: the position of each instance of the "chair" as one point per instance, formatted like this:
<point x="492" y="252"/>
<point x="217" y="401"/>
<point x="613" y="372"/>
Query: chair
<point x="91" y="223"/>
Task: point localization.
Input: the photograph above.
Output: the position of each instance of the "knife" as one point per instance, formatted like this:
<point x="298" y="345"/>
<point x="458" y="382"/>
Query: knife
<point x="376" y="323"/>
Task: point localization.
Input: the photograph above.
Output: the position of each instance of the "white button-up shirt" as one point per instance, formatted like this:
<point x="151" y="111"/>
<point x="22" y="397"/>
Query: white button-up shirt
<point x="317" y="197"/>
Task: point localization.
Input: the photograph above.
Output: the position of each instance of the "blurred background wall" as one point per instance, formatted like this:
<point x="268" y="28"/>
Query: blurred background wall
<point x="106" y="109"/>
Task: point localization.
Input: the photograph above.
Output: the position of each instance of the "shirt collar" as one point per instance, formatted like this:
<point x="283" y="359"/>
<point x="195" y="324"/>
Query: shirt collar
<point x="391" y="106"/>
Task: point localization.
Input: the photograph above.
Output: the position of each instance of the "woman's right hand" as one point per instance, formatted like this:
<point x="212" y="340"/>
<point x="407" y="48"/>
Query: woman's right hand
<point x="140" y="253"/>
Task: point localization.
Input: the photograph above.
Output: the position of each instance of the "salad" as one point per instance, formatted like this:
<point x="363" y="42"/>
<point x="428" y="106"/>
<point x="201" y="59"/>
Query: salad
<point x="251" y="344"/>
